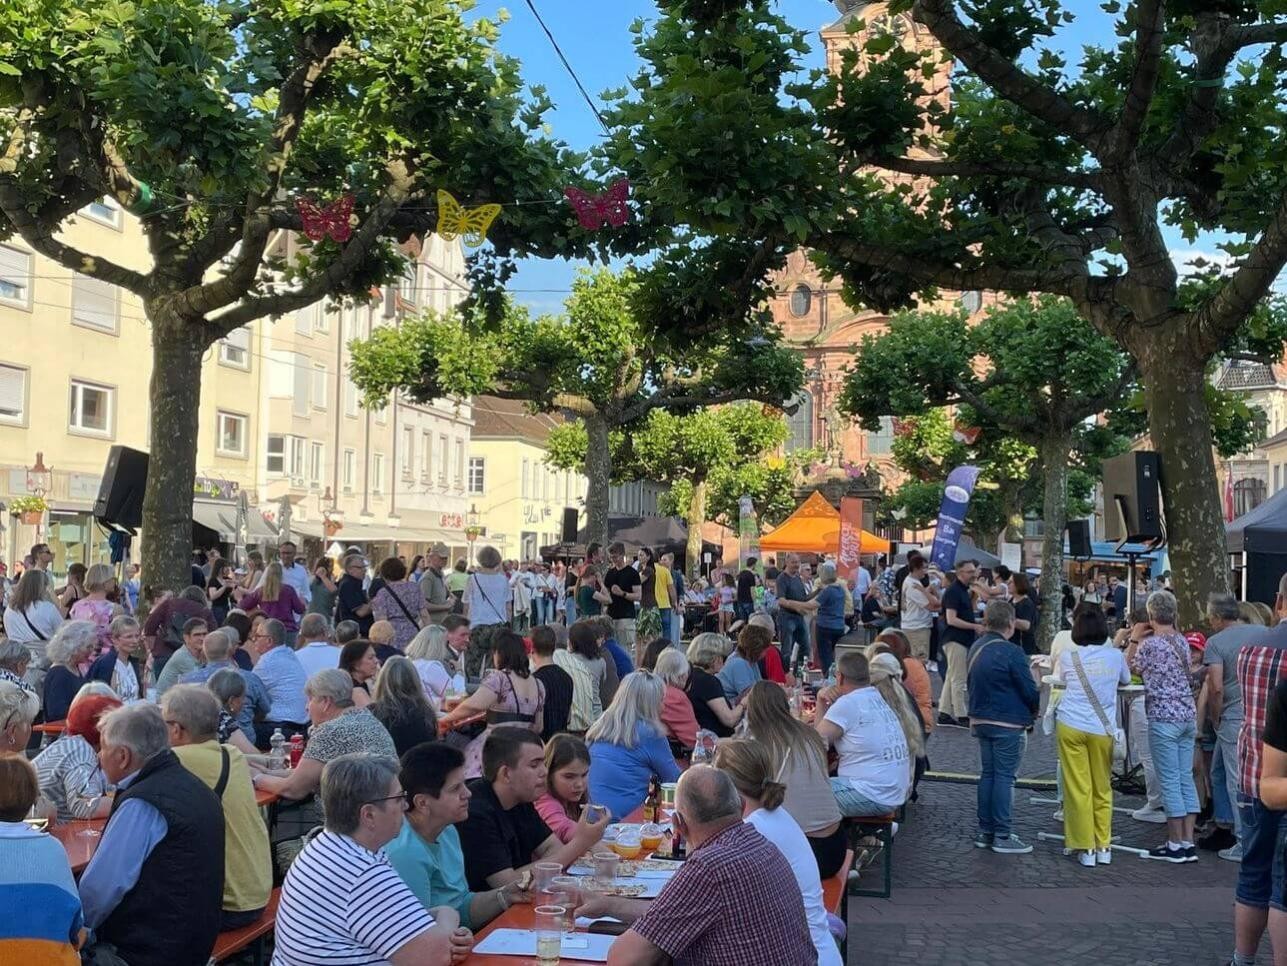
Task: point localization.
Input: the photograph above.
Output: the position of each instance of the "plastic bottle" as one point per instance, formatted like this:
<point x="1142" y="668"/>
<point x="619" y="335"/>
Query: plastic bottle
<point x="277" y="750"/>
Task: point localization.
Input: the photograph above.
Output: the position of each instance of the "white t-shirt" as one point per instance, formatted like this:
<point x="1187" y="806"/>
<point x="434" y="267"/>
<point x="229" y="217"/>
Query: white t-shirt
<point x="1105" y="668"/>
<point x="486" y="596"/>
<point x="343" y="905"/>
<point x="916" y="612"/>
<point x="318" y="656"/>
<point x="433" y="678"/>
<point x="873" y="749"/>
<point x="781" y="829"/>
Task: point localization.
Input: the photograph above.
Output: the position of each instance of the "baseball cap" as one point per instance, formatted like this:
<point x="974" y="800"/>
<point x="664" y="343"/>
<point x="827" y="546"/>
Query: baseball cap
<point x="1197" y="640"/>
<point x="439" y="550"/>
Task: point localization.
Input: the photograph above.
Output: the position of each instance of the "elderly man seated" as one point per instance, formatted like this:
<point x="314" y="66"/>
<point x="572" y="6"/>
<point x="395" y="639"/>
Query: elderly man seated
<point x="338" y="729"/>
<point x="734" y="901"/>
<point x="218" y="649"/>
<point x="192" y="714"/>
<point x="342" y="902"/>
<point x="155" y="886"/>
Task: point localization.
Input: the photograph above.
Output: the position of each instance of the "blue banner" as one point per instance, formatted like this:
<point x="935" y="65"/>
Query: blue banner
<point x="951" y="515"/>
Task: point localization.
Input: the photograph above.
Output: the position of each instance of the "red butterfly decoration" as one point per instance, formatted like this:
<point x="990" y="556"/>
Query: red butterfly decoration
<point x="608" y="208"/>
<point x="331" y="220"/>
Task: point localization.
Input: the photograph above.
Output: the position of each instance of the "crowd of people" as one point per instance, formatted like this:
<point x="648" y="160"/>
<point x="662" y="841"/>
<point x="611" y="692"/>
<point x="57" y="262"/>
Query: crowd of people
<point x="451" y="734"/>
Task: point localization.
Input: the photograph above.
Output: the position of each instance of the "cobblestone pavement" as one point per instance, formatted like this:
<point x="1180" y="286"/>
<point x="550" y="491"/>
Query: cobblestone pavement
<point x="955" y="905"/>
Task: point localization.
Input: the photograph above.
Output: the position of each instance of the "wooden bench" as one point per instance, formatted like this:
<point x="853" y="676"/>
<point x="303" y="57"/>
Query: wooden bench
<point x="880" y="827"/>
<point x="234" y="941"/>
<point x="835" y="899"/>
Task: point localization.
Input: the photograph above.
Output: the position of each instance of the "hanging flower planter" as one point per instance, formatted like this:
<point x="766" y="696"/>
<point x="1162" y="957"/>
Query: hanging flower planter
<point x="29" y="509"/>
<point x="31" y="517"/>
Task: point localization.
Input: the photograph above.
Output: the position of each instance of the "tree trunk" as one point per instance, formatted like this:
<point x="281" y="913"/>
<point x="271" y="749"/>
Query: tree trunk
<point x="695" y="517"/>
<point x="1054" y="512"/>
<point x="1180" y="428"/>
<point x="598" y="471"/>
<point x="175" y="400"/>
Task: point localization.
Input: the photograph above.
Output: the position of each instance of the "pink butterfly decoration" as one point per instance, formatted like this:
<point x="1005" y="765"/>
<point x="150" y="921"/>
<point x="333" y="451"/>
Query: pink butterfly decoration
<point x="608" y="208"/>
<point x="333" y="219"/>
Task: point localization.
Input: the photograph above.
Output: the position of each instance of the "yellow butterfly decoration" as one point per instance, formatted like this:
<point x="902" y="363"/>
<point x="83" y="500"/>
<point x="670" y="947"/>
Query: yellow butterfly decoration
<point x="469" y="224"/>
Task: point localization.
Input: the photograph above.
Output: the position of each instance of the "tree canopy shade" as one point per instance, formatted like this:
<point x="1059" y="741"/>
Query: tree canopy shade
<point x="598" y="362"/>
<point x="1033" y="174"/>
<point x="211" y="119"/>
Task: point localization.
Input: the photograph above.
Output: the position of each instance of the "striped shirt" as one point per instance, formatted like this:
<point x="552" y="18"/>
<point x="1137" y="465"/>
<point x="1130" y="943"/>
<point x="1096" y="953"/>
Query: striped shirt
<point x="70" y="776"/>
<point x="43" y="922"/>
<point x="343" y="905"/>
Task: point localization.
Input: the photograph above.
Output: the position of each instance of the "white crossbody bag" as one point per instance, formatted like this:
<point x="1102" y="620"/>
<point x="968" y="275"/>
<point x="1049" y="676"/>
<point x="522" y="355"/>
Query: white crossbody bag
<point x="1119" y="736"/>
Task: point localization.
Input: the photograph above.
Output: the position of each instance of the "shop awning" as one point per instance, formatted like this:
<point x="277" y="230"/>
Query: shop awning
<point x="378" y="533"/>
<point x="219" y="517"/>
<point x="815" y="528"/>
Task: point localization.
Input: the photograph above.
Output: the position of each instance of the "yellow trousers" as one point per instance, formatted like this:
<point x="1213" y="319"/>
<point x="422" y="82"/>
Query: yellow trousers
<point x="1086" y="761"/>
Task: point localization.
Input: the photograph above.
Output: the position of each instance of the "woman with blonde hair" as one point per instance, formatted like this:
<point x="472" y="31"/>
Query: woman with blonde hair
<point x="751" y="767"/>
<point x="887" y="677"/>
<point x="799" y="758"/>
<point x="676" y="710"/>
<point x="100" y="580"/>
<point x="32" y="618"/>
<point x="706" y="656"/>
<point x="430" y="655"/>
<point x="401" y="706"/>
<point x="628" y="746"/>
<point x="278" y="600"/>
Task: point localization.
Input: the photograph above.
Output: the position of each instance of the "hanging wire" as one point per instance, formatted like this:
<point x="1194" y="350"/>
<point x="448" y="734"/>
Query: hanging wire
<point x="568" y="66"/>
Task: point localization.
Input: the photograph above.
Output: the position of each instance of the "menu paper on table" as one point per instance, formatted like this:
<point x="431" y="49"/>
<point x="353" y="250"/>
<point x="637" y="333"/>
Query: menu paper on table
<point x="580" y="946"/>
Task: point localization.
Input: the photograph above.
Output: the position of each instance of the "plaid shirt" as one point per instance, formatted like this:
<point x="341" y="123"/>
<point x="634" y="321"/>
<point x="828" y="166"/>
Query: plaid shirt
<point x="727" y="906"/>
<point x="1260" y="668"/>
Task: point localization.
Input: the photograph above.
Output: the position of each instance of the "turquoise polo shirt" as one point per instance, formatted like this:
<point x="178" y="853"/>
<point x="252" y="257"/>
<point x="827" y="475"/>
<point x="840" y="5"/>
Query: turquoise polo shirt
<point x="434" y="871"/>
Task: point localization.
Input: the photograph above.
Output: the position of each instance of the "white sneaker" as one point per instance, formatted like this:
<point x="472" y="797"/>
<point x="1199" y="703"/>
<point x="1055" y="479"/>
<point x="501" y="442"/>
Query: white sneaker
<point x="1087" y="859"/>
<point x="1146" y="814"/>
<point x="1104" y="856"/>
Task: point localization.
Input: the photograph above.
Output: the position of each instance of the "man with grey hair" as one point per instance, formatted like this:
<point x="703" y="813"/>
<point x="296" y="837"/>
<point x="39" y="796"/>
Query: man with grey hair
<point x="433" y="585"/>
<point x="191" y="714"/>
<point x="734" y="900"/>
<point x="1224" y="710"/>
<point x="315" y="650"/>
<point x="278" y="667"/>
<point x="346" y="631"/>
<point x="338" y="729"/>
<point x="1004" y="702"/>
<point x="218" y="650"/>
<point x="154" y="887"/>
<point x="14" y="660"/>
<point x="342" y="901"/>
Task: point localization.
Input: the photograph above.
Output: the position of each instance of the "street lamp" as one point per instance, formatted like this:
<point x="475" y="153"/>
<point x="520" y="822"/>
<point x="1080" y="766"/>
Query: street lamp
<point x="472" y="529"/>
<point x="326" y="506"/>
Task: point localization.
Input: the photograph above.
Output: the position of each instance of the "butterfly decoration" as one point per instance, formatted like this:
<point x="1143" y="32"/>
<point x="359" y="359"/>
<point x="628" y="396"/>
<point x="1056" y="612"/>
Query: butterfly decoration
<point x="468" y="224"/>
<point x="607" y="208"/>
<point x="333" y="219"/>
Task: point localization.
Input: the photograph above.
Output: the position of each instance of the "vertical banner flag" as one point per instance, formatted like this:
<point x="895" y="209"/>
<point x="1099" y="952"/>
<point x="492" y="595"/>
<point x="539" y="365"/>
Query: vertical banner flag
<point x="850" y="548"/>
<point x="748" y="530"/>
<point x="951" y="515"/>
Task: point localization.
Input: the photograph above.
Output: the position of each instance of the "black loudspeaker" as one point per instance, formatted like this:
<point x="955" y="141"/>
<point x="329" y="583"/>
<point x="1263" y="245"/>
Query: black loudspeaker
<point x="570" y="517"/>
<point x="1133" y="497"/>
<point x="1079" y="538"/>
<point x="120" y="495"/>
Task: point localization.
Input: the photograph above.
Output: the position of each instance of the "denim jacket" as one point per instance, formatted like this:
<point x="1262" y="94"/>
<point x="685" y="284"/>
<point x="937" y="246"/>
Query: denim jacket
<point x="1000" y="683"/>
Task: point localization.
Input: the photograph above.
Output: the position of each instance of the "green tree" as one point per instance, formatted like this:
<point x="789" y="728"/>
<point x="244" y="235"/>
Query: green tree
<point x="1032" y="371"/>
<point x="209" y="120"/>
<point x="1044" y="174"/>
<point x="599" y="362"/>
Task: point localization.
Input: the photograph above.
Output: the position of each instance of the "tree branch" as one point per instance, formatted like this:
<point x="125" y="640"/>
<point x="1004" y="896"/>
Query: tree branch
<point x="1009" y="81"/>
<point x="1103" y="401"/>
<point x="1149" y="32"/>
<point x="1089" y="180"/>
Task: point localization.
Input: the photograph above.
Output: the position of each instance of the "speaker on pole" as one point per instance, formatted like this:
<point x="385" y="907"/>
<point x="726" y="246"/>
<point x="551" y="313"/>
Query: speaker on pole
<point x="570" y="518"/>
<point x="120" y="495"/>
<point x="1133" y="497"/>
<point x="1079" y="538"/>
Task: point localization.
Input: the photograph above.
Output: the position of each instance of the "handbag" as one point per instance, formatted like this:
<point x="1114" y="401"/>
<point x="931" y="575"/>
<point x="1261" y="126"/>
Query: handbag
<point x="1119" y="736"/>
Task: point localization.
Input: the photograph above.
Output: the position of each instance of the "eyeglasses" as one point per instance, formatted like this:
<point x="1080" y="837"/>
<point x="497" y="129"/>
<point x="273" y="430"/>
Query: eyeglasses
<point x="403" y="797"/>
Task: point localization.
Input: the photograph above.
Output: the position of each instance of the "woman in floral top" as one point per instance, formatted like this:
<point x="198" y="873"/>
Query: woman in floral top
<point x="1161" y="658"/>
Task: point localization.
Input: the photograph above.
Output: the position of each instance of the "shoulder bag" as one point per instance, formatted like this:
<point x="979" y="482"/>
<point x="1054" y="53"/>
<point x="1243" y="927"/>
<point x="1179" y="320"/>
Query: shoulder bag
<point x="403" y="607"/>
<point x="1119" y="736"/>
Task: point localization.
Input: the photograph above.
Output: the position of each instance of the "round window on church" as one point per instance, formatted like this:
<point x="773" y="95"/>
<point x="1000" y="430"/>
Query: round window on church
<point x="801" y="300"/>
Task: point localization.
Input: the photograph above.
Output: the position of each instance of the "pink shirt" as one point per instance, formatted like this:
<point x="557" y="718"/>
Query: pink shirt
<point x="100" y="613"/>
<point x="552" y="812"/>
<point x="677" y="715"/>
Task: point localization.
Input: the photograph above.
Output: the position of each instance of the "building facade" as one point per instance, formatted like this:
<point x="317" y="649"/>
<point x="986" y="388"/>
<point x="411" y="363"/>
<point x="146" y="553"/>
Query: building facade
<point x="1259" y="473"/>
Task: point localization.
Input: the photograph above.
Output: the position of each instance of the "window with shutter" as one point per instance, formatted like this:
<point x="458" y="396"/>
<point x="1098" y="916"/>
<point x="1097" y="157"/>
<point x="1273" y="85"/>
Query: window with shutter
<point x="321" y="380"/>
<point x="95" y="303"/>
<point x="234" y="349"/>
<point x="15" y="277"/>
<point x="13" y="395"/>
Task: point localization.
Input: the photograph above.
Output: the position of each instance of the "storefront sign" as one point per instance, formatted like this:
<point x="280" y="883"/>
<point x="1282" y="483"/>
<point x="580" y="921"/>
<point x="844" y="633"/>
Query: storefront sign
<point x="535" y="514"/>
<point x="452" y="521"/>
<point x="209" y="488"/>
<point x="83" y="486"/>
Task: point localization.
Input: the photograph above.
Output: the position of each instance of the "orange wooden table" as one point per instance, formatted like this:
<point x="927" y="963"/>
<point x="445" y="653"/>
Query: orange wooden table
<point x="80" y="848"/>
<point x="50" y="727"/>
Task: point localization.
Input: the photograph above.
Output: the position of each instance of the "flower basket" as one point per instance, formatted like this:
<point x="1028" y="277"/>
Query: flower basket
<point x="31" y="517"/>
<point x="29" y="509"/>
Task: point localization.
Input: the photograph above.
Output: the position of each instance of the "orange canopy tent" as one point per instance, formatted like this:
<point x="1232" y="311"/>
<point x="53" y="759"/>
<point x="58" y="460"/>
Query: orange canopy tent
<point x="815" y="528"/>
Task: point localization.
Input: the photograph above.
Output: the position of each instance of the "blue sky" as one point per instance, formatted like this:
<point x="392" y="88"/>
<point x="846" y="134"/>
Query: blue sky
<point x="595" y="36"/>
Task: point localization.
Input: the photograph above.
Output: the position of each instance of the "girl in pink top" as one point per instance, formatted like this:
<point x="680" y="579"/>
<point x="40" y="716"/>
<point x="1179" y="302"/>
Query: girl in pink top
<point x="676" y="709"/>
<point x="94" y="606"/>
<point x="567" y="763"/>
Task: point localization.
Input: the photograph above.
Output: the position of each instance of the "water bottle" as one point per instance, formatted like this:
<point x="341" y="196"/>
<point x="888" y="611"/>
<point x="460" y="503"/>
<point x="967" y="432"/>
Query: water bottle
<point x="277" y="750"/>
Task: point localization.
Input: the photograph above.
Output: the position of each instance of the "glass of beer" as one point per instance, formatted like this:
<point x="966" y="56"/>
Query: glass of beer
<point x="628" y="844"/>
<point x="549" y="933"/>
<point x="650" y="836"/>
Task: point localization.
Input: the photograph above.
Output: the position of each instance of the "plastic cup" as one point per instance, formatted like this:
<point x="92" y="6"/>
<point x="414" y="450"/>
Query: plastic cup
<point x="549" y="933"/>
<point x="605" y="867"/>
<point x="543" y="873"/>
<point x="569" y="888"/>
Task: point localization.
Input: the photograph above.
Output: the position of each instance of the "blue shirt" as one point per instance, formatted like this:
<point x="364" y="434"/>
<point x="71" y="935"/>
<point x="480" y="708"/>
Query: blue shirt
<point x="619" y="775"/>
<point x="737" y="675"/>
<point x="434" y="871"/>
<point x="831" y="608"/>
<point x="284" y="678"/>
<point x="620" y="657"/>
<point x="133" y="831"/>
<point x="257" y="703"/>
